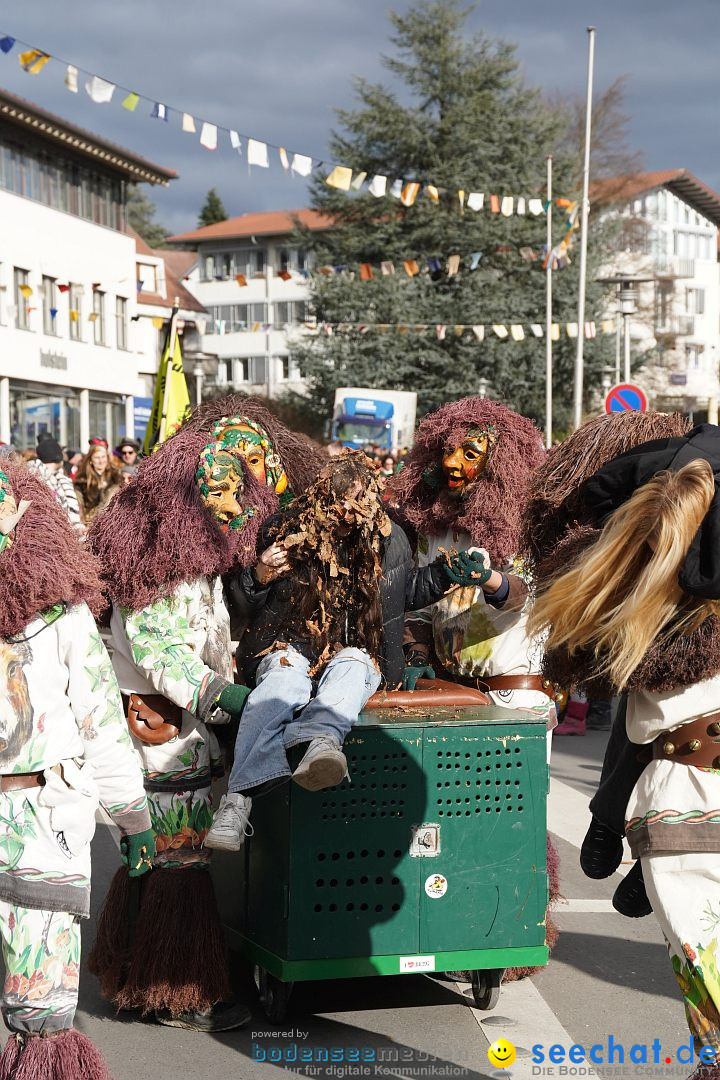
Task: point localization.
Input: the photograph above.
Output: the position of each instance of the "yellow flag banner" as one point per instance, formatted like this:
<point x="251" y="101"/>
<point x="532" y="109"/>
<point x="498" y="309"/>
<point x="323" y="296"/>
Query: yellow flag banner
<point x="171" y="401"/>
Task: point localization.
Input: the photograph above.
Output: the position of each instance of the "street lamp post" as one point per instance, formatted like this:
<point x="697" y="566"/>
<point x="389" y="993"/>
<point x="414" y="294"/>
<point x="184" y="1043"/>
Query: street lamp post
<point x="628" y="307"/>
<point x="199" y="373"/>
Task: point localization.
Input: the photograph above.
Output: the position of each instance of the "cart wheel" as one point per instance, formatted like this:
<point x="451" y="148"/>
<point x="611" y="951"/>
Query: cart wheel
<point x="486" y="987"/>
<point x="274" y="994"/>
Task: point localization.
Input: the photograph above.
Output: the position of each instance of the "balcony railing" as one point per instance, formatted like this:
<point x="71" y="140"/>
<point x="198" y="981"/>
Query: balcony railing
<point x="675" y="326"/>
<point x="671" y="266"/>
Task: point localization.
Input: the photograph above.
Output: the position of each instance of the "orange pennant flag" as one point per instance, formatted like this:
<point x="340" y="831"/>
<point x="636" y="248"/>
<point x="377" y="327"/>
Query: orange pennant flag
<point x="411" y="267"/>
<point x="494" y="204"/>
<point x="366" y="273"/>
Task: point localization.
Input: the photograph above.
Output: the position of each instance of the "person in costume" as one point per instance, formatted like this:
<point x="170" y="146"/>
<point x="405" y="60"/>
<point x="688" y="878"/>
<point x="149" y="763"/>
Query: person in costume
<point x="464" y="485"/>
<point x="329" y="592"/>
<point x="192" y="514"/>
<point x="555" y="522"/>
<point x="639" y="606"/>
<point x="64" y="750"/>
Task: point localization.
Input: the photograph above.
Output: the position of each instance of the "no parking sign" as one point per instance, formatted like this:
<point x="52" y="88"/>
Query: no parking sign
<point x="626" y="397"/>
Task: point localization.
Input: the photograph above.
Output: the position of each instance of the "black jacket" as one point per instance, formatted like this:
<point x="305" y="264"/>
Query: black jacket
<point x="268" y="612"/>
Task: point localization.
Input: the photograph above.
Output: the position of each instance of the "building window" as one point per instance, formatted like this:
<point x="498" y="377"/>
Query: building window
<point x="692" y="358"/>
<point x="22" y="301"/>
<point x="99" y="317"/>
<point x="147" y="277"/>
<point x="49" y="302"/>
<point x="249" y="369"/>
<point x="290" y="313"/>
<point x="695" y="301"/>
<point x="75" y="312"/>
<point x="231" y="318"/>
<point x="283" y="368"/>
<point x="121" y="323"/>
<point x="224" y="265"/>
<point x="241" y="369"/>
<point x="291" y="258"/>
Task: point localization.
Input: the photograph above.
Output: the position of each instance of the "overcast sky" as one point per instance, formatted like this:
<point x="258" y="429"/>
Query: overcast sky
<point x="275" y="69"/>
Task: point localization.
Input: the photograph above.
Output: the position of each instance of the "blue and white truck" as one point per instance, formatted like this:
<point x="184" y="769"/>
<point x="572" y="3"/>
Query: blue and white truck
<point x="364" y="416"/>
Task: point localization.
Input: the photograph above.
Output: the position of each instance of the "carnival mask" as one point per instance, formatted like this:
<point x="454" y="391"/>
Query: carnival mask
<point x="10" y="512"/>
<point x="463" y="464"/>
<point x="242" y="436"/>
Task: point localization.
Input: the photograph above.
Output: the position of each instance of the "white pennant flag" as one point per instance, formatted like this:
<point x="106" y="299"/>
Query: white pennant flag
<point x="378" y="186"/>
<point x="257" y="154"/>
<point x="397" y="189"/>
<point x="506" y="206"/>
<point x="236" y="142"/>
<point x="535" y="206"/>
<point x="208" y="136"/>
<point x="479" y="332"/>
<point x="188" y="123"/>
<point x="475" y="200"/>
<point x="100" y="90"/>
<point x="516" y="332"/>
<point x="301" y="165"/>
<point x="284" y="160"/>
<point x="71" y="80"/>
<point x="520" y="205"/>
<point x="536" y="329"/>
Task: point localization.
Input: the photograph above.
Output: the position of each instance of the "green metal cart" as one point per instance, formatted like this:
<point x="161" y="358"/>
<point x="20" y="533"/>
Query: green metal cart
<point x="431" y="859"/>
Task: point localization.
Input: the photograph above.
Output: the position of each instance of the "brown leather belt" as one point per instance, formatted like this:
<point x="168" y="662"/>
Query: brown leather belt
<point x="696" y="743"/>
<point x="20" y="781"/>
<point x="513" y="682"/>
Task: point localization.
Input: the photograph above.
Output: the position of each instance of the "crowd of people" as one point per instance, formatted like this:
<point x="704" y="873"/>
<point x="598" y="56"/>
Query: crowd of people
<point x="255" y="591"/>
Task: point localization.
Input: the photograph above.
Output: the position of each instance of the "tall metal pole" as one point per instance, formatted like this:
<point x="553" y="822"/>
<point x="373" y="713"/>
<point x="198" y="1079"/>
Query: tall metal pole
<point x="548" y="315"/>
<point x="578" y="381"/>
<point x="617" y="348"/>
<point x="626" y="334"/>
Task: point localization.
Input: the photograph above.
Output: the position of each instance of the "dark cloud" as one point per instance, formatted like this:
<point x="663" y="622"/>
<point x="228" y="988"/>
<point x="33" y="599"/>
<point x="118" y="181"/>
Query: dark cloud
<point x="277" y="68"/>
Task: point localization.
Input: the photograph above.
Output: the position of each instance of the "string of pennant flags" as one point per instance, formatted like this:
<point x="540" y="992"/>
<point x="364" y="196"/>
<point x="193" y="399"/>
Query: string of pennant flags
<point x="481" y="331"/>
<point x="257" y="151"/>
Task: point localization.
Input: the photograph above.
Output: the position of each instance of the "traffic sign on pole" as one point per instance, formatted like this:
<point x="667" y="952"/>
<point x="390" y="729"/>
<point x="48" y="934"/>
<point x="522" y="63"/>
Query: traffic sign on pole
<point x="626" y="397"/>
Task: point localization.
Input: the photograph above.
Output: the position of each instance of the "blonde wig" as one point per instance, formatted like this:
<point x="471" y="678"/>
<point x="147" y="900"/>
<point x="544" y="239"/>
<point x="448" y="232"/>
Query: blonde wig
<point x="619" y="596"/>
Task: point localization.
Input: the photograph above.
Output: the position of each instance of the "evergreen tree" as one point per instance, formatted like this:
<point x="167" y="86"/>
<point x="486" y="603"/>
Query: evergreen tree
<point x="140" y="213"/>
<point x="213" y="211"/>
<point x="461" y="119"/>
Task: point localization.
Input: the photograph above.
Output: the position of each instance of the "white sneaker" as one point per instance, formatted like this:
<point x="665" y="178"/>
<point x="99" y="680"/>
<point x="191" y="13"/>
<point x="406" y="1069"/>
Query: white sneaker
<point x="230" y="825"/>
<point x="323" y="766"/>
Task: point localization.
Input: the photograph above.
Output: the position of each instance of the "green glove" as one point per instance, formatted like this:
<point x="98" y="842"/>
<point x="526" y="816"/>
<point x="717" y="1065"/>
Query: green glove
<point x="232" y="699"/>
<point x="412" y="674"/>
<point x="466" y="569"/>
<point x="137" y="852"/>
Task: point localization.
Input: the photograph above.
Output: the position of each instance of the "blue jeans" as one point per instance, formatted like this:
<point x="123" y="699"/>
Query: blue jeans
<point x="282" y="712"/>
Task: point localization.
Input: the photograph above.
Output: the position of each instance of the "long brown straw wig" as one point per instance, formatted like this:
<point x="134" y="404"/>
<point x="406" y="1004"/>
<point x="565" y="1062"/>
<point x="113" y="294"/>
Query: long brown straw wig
<point x="492" y="508"/>
<point x="46" y="563"/>
<point x="620" y="596"/>
<point x="553" y="504"/>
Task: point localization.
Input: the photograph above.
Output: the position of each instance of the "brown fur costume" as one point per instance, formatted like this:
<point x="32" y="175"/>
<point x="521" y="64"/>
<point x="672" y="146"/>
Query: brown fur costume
<point x="491" y="512"/>
<point x="553" y="504"/>
<point x="45" y="564"/>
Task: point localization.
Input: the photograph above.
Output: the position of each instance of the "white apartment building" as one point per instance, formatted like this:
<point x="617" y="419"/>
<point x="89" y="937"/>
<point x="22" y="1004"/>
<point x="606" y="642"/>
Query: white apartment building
<point x="252" y="277"/>
<point x="669" y="235"/>
<point x="78" y="332"/>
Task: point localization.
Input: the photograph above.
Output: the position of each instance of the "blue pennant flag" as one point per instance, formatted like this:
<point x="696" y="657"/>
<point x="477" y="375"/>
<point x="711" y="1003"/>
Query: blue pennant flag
<point x="6" y="44"/>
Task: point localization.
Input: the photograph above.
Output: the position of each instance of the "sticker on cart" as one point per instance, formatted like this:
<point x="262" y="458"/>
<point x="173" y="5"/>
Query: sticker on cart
<point x="413" y="964"/>
<point x="435" y="886"/>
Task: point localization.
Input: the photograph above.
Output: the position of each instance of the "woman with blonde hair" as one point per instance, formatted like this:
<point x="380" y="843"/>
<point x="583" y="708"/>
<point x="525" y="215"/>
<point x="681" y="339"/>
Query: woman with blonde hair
<point x="637" y="607"/>
<point x="95" y="483"/>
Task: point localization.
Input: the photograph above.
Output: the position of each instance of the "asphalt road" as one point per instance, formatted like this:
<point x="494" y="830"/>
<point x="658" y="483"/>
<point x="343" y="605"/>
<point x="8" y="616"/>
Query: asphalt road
<point x="608" y="977"/>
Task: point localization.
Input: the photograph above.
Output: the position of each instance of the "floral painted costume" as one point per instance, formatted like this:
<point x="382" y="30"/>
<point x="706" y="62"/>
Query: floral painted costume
<point x="673" y="826"/>
<point x="64" y="751"/>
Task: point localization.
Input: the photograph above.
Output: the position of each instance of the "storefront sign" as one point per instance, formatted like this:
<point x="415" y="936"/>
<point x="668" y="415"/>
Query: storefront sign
<point x="53" y="360"/>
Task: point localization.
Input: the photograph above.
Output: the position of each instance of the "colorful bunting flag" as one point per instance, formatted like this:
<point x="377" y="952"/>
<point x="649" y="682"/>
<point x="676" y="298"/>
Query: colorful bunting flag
<point x="506" y="206"/>
<point x="397" y="189"/>
<point x="236" y="142"/>
<point x="387" y="268"/>
<point x="500" y="330"/>
<point x="188" y="123"/>
<point x="208" y="136"/>
<point x="476" y="200"/>
<point x="479" y="332"/>
<point x="74" y="315"/>
<point x="516" y="332"/>
<point x="131" y="101"/>
<point x="284" y="160"/>
<point x="494" y="204"/>
<point x="366" y="272"/>
<point x="440" y="331"/>
<point x="25" y="290"/>
<point x="71" y="79"/>
<point x="475" y="259"/>
<point x="537" y="329"/>
<point x="340" y="178"/>
<point x="411" y="267"/>
<point x="160" y="111"/>
<point x="432" y="193"/>
<point x="284" y="275"/>
<point x="571" y="329"/>
<point x="358" y="181"/>
<point x="409" y="193"/>
<point x="33" y="61"/>
<point x="100" y="90"/>
<point x="257" y="154"/>
<point x="301" y="165"/>
<point x="535" y="206"/>
<point x="140" y="286"/>
<point x="6" y="43"/>
<point x="453" y="265"/>
<point x="63" y="288"/>
<point x="520" y="208"/>
<point x="378" y="186"/>
<point x="53" y="312"/>
<point x="92" y="317"/>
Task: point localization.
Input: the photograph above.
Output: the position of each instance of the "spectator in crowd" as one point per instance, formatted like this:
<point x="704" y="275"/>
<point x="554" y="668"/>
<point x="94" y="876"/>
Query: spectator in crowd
<point x="48" y="466"/>
<point x="72" y="460"/>
<point x="96" y="481"/>
<point x="127" y="474"/>
<point x="388" y="466"/>
<point x="127" y="452"/>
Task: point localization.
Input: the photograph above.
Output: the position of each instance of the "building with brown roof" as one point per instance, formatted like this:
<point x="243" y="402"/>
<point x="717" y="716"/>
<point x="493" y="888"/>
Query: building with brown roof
<point x="668" y="234"/>
<point x="251" y="274"/>
<point x="75" y="356"/>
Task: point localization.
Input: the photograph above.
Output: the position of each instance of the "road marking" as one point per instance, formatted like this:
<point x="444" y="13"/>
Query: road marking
<point x="537" y="1023"/>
